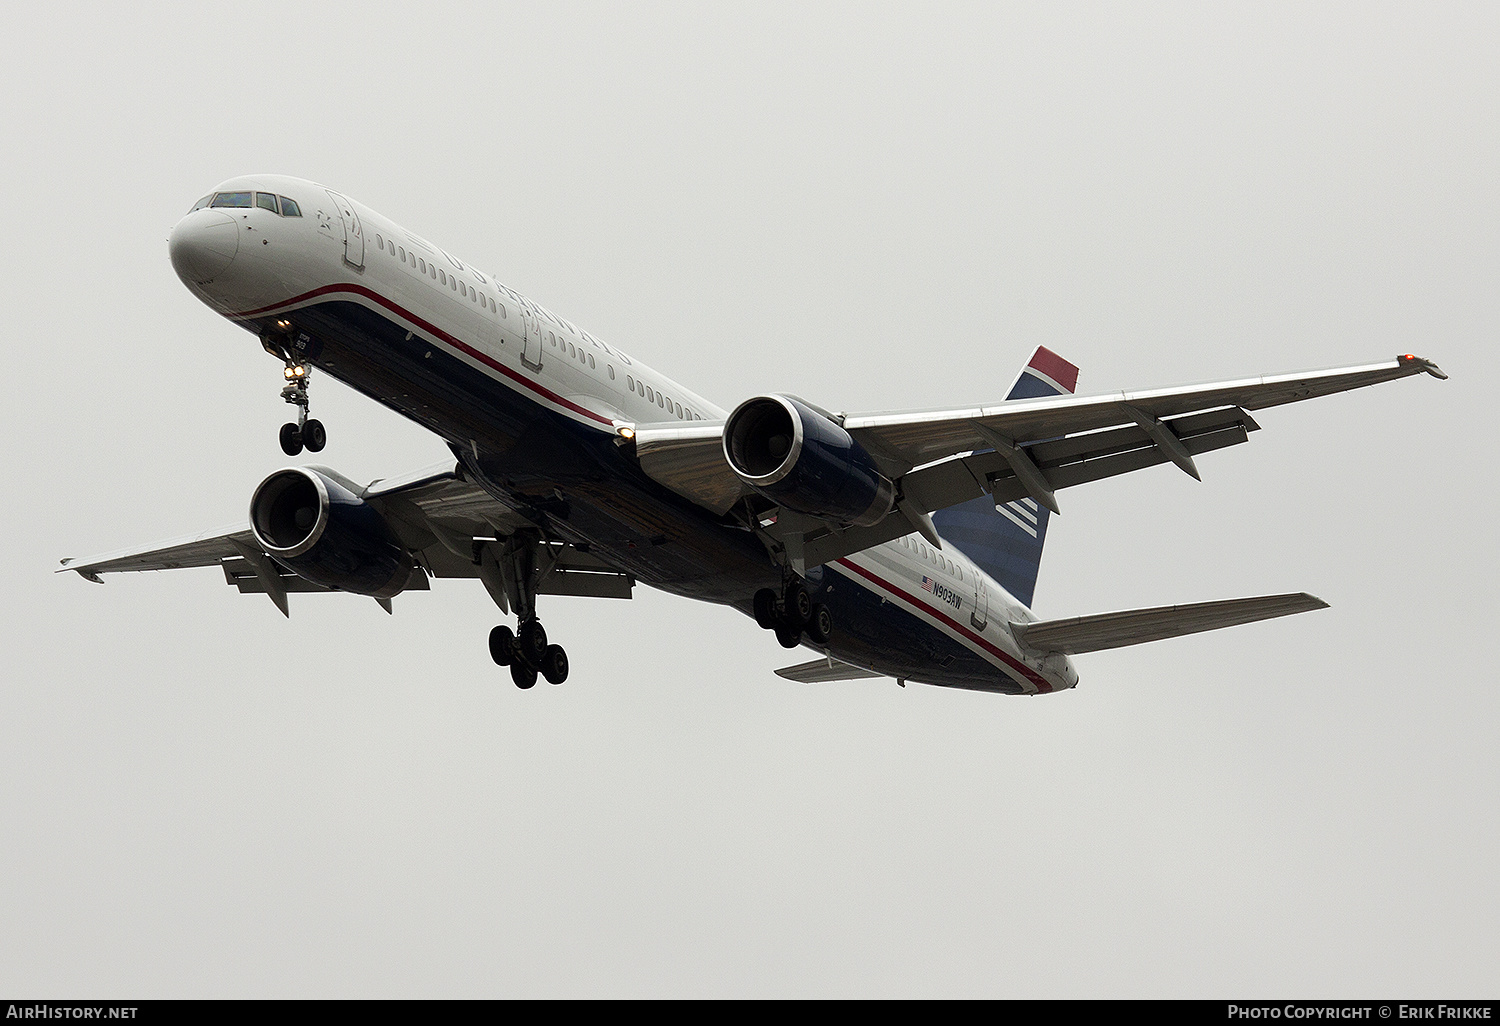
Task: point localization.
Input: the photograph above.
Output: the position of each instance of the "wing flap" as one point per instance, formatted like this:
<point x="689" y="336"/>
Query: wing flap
<point x="1081" y="634"/>
<point x="1073" y="460"/>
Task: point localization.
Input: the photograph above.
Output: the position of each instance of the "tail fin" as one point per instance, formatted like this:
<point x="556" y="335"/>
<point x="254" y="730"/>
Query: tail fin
<point x="1006" y="541"/>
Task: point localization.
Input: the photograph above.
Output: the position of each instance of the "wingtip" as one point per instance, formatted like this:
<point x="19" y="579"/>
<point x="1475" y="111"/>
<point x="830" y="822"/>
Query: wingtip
<point x="84" y="572"/>
<point x="1419" y="363"/>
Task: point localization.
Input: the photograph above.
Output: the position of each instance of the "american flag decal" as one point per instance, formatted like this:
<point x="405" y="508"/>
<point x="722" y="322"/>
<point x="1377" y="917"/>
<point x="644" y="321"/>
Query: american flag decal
<point x="942" y="591"/>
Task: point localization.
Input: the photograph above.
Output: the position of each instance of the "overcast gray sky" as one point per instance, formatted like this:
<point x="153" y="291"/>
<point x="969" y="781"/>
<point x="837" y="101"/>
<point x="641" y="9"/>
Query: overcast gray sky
<point x="877" y="207"/>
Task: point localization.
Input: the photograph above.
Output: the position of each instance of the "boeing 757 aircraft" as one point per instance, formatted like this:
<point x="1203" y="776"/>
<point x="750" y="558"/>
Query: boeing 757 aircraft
<point x="891" y="544"/>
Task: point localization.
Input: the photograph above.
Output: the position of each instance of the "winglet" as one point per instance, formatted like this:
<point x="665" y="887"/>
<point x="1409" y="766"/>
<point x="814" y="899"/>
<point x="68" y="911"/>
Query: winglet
<point x="1421" y="364"/>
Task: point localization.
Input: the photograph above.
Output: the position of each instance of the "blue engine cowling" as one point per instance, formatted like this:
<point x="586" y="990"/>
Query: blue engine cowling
<point x="326" y="534"/>
<point x="797" y="457"/>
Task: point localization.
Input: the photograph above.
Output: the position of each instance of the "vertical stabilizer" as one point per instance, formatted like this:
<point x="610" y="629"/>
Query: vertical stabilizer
<point x="1006" y="541"/>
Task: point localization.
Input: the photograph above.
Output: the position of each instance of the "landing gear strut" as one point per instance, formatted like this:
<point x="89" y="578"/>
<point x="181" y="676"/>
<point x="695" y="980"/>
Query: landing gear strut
<point x="792" y="614"/>
<point x="510" y="574"/>
<point x="305" y="432"/>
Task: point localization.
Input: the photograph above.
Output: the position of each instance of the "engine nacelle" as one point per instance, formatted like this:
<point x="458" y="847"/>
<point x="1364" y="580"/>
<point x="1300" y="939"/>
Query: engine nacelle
<point x="325" y="533"/>
<point x="797" y="457"/>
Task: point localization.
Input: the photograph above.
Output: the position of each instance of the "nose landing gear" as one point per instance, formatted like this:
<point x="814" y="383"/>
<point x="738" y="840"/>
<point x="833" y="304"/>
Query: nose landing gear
<point x="304" y="433"/>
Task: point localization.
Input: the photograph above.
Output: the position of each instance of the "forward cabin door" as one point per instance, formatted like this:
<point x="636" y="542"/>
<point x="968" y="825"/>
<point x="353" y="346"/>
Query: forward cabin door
<point x="354" y="232"/>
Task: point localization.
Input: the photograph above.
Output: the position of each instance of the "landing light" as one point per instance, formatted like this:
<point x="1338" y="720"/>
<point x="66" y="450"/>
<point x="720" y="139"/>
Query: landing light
<point x="627" y="433"/>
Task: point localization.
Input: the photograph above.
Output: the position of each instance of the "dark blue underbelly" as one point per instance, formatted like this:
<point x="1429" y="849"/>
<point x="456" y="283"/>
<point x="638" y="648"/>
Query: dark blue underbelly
<point x="578" y="485"/>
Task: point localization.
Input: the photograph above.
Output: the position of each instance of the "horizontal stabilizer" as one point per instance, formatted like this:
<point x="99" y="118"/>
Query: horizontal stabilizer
<point x="1138" y="626"/>
<point x="821" y="671"/>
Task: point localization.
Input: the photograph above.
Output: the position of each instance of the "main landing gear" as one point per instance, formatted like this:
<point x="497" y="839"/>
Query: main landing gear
<point x="792" y="614"/>
<point x="510" y="573"/>
<point x="304" y="433"/>
<point x="527" y="653"/>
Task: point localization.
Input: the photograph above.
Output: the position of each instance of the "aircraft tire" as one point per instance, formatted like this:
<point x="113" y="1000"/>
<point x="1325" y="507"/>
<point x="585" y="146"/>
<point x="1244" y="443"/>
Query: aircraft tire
<point x="502" y="645"/>
<point x="765" y="608"/>
<point x="532" y="643"/>
<point x="291" y="439"/>
<point x="790" y="637"/>
<point x="523" y="675"/>
<point x="314" y="436"/>
<point x="821" y="624"/>
<point x="555" y="664"/>
<point x="798" y="605"/>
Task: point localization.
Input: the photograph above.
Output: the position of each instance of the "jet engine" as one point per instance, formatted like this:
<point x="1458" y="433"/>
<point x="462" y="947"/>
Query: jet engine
<point x="325" y="533"/>
<point x="798" y="457"/>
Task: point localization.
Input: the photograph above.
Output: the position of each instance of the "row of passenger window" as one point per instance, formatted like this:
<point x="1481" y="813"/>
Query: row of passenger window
<point x="438" y="274"/>
<point x="653" y="396"/>
<point x="284" y="206"/>
<point x="931" y="555"/>
<point x="442" y="277"/>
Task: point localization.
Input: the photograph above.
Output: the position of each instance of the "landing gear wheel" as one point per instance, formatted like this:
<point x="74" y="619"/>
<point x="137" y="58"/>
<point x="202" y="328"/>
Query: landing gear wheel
<point x="291" y="439"/>
<point x="314" y="436"/>
<point x="523" y="675"/>
<point x="555" y="664"/>
<point x="798" y="604"/>
<point x="765" y="608"/>
<point x="502" y="645"/>
<point x="821" y="624"/>
<point x="532" y="642"/>
<point x="790" y="637"/>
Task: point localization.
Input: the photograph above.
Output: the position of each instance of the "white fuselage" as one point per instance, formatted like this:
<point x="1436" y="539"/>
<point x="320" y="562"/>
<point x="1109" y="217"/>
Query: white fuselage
<point x="253" y="262"/>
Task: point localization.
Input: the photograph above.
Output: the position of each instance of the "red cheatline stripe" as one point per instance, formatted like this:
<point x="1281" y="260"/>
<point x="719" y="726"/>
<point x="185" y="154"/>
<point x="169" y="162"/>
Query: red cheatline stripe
<point x="1055" y="367"/>
<point x="1041" y="683"/>
<point x="433" y="329"/>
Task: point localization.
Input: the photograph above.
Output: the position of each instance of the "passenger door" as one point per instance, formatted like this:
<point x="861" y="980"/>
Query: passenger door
<point x="354" y="233"/>
<point x="531" y="342"/>
<point x="980" y="616"/>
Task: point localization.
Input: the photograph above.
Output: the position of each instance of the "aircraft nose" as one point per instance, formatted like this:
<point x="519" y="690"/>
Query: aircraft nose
<point x="203" y="245"/>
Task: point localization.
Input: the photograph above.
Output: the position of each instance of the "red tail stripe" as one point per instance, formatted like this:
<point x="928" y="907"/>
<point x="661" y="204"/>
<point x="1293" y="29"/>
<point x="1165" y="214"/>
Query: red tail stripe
<point x="1055" y="367"/>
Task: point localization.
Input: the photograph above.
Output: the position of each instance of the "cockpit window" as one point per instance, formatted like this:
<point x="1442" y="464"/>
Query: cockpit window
<point x="289" y="208"/>
<point x="231" y="199"/>
<point x="266" y="201"/>
<point x="202" y="203"/>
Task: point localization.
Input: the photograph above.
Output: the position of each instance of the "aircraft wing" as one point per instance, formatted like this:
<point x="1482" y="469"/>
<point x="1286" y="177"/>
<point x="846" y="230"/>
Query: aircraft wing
<point x="1011" y="450"/>
<point x="911" y="439"/>
<point x="443" y="520"/>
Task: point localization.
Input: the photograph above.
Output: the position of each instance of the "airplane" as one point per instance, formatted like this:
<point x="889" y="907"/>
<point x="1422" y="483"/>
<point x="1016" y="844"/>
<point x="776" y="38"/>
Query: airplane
<point x="891" y="544"/>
